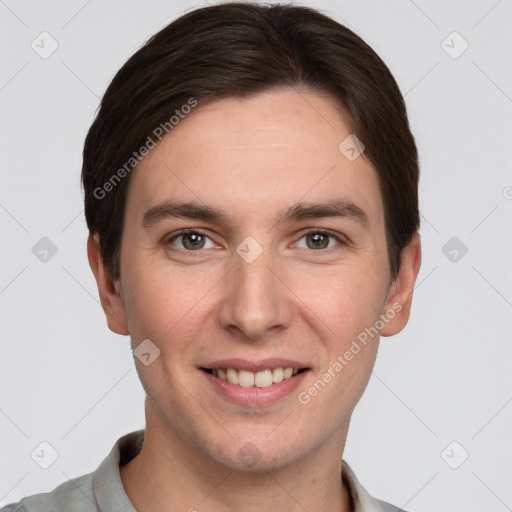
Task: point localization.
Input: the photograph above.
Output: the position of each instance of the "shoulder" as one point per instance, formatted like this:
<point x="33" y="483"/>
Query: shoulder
<point x="72" y="496"/>
<point x="101" y="490"/>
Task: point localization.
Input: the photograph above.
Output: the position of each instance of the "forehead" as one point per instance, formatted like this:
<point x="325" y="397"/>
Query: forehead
<point x="254" y="155"/>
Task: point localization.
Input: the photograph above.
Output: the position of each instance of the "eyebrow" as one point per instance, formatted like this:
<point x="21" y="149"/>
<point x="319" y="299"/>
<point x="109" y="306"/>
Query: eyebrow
<point x="337" y="208"/>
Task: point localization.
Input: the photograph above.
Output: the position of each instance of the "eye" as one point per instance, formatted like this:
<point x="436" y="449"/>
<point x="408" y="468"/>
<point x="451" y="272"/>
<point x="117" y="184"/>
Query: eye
<point x="191" y="240"/>
<point x="318" y="239"/>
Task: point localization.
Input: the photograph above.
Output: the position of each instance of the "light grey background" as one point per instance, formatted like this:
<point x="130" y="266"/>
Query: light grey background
<point x="67" y="380"/>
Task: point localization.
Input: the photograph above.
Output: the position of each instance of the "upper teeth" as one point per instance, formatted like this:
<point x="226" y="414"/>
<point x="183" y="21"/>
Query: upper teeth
<point x="260" y="379"/>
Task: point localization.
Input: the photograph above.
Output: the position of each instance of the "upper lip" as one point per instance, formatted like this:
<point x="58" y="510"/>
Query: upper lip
<point x="254" y="365"/>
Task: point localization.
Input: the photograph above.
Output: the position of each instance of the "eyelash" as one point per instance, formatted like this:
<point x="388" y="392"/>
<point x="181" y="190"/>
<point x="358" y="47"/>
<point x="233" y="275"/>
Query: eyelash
<point x="341" y="241"/>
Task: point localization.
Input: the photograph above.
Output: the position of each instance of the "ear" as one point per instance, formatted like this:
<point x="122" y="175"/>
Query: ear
<point x="109" y="290"/>
<point x="400" y="293"/>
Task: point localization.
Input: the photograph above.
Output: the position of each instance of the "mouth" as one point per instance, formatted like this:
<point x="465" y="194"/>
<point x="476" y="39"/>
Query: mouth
<point x="259" y="379"/>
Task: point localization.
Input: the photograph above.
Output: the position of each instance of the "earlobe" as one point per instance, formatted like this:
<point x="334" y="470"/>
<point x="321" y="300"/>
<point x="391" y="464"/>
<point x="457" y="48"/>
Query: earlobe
<point x="109" y="290"/>
<point x="398" y="304"/>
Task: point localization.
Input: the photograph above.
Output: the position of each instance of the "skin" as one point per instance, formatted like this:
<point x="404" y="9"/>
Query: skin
<point x="251" y="157"/>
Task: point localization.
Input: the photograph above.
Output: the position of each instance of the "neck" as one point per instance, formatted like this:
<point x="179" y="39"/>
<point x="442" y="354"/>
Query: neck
<point x="169" y="475"/>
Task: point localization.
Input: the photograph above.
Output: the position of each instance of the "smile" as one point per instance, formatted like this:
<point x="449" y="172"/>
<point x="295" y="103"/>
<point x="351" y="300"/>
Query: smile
<point x="259" y="379"/>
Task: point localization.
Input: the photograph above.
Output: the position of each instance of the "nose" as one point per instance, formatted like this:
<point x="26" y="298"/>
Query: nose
<point x="256" y="302"/>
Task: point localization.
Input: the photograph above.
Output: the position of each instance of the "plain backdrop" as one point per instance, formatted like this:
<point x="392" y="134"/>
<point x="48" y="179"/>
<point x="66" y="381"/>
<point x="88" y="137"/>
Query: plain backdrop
<point x="432" y="432"/>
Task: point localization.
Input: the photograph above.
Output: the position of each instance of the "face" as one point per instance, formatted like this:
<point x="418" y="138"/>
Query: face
<point x="283" y="265"/>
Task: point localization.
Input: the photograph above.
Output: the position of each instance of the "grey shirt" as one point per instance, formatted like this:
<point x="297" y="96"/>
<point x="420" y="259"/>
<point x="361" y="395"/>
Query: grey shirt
<point x="103" y="491"/>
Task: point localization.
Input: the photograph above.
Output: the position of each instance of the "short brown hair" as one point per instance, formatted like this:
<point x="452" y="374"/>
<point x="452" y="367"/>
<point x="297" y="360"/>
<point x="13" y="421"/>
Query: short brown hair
<point x="234" y="50"/>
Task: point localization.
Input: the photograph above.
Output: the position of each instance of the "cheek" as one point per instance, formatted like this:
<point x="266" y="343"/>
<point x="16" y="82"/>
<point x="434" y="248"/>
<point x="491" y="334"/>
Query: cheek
<point x="346" y="301"/>
<point x="348" y="310"/>
<point x="160" y="302"/>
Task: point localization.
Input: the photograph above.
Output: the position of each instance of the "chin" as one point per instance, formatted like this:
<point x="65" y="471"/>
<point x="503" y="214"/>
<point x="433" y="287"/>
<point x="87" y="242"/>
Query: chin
<point x="256" y="454"/>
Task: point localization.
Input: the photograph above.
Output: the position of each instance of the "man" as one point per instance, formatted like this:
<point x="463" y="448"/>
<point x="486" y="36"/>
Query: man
<point x="251" y="194"/>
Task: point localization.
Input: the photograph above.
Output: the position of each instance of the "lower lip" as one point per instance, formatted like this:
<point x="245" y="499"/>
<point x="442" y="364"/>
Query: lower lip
<point x="254" y="395"/>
